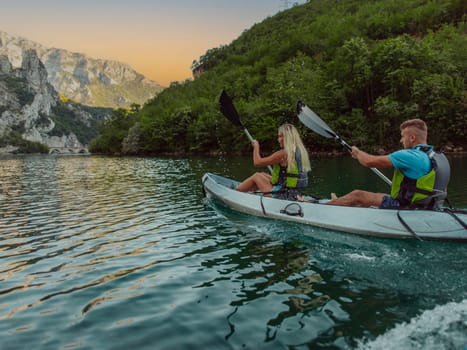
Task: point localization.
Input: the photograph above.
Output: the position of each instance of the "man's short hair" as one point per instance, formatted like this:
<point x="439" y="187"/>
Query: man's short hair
<point x="418" y="126"/>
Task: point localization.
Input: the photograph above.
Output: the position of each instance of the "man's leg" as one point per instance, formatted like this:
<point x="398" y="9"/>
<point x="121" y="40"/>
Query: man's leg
<point x="359" y="198"/>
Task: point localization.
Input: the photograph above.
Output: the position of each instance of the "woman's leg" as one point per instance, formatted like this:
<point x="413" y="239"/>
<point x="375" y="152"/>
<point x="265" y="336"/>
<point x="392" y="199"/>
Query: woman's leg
<point x="256" y="182"/>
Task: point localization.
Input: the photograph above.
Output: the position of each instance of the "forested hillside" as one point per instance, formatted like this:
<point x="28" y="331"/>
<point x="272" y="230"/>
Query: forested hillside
<point x="363" y="65"/>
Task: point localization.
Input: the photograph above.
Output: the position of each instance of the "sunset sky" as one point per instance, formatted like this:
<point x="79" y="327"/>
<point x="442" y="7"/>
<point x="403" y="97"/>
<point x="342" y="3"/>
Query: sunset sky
<point x="159" y="39"/>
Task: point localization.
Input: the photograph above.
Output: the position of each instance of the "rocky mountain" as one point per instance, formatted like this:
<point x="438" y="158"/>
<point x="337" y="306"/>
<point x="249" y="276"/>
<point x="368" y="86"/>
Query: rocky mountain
<point x="32" y="113"/>
<point x="85" y="80"/>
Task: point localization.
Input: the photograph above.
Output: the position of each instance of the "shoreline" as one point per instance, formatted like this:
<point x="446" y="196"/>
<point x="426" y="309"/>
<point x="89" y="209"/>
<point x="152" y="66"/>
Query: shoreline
<point x="314" y="154"/>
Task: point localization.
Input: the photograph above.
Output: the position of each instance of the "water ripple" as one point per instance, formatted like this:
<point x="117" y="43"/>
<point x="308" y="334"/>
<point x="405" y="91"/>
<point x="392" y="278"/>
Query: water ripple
<point x="110" y="253"/>
<point x="90" y="219"/>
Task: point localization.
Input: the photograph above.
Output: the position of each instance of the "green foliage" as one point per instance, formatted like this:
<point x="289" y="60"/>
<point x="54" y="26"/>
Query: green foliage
<point x="363" y="65"/>
<point x="113" y="131"/>
<point x="442" y="103"/>
<point x="19" y="88"/>
<point x="14" y="139"/>
<point x="132" y="143"/>
<point x="67" y="119"/>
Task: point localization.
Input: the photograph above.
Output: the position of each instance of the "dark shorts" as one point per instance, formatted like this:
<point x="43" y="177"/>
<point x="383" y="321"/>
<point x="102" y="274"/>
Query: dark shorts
<point x="389" y="202"/>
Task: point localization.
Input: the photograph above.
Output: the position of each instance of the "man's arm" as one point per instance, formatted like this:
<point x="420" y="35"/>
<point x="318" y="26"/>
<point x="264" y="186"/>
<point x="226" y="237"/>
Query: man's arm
<point x="371" y="161"/>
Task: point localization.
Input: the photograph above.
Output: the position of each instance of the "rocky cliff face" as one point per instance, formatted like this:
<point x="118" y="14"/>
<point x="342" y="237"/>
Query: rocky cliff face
<point x="89" y="81"/>
<point x="30" y="107"/>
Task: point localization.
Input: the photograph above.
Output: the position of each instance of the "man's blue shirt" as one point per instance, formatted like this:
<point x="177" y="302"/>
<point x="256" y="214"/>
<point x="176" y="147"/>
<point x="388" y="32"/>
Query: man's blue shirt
<point x="413" y="163"/>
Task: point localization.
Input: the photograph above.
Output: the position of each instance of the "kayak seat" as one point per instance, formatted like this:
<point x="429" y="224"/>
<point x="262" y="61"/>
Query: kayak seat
<point x="432" y="202"/>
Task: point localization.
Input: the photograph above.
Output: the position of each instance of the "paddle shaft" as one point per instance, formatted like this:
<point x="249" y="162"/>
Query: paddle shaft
<point x="248" y="135"/>
<point x="376" y="171"/>
<point x="315" y="123"/>
<point x="251" y="140"/>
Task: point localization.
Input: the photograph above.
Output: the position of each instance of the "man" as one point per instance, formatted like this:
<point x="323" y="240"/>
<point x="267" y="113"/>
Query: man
<point x="420" y="175"/>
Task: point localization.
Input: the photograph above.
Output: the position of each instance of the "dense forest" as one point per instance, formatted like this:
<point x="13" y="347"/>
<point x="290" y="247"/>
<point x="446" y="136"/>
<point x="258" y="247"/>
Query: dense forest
<point x="363" y="65"/>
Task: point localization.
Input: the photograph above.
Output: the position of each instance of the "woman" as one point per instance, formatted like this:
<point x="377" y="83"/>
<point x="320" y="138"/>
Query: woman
<point x="291" y="165"/>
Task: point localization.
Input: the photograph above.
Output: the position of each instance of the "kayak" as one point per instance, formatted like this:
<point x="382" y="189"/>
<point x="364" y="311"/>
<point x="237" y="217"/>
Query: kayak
<point x="445" y="224"/>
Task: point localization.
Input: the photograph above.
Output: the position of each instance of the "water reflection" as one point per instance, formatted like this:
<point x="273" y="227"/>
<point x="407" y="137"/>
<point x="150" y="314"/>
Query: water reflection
<point x="279" y="271"/>
<point x="66" y="217"/>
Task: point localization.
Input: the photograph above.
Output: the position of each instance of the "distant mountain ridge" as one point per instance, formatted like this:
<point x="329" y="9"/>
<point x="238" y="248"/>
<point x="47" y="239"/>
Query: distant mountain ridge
<point x="33" y="118"/>
<point x="89" y="81"/>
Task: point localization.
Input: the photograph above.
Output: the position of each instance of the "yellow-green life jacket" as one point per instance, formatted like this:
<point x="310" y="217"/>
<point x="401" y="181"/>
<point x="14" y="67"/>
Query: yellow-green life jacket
<point x="416" y="192"/>
<point x="409" y="191"/>
<point x="294" y="178"/>
<point x="279" y="173"/>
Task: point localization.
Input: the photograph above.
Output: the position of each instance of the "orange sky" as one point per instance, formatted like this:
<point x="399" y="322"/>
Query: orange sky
<point x="159" y="39"/>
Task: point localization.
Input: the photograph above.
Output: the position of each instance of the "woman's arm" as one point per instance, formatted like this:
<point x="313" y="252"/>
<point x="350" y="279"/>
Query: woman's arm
<point x="275" y="158"/>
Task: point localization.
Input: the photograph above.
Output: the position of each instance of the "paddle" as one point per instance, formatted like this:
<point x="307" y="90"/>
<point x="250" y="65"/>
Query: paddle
<point x="230" y="112"/>
<point x="315" y="123"/>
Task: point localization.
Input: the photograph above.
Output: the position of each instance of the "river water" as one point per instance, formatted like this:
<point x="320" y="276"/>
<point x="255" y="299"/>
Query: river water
<point x="125" y="253"/>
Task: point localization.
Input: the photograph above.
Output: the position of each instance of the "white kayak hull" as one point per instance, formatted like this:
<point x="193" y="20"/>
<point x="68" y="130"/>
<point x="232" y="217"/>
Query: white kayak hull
<point x="421" y="224"/>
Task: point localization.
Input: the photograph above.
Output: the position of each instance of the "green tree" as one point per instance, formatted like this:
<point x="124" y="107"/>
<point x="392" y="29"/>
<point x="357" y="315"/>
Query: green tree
<point x="364" y="66"/>
<point x="112" y="133"/>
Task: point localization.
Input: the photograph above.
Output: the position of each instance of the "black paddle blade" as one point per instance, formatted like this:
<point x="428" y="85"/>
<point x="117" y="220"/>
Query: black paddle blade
<point x="300" y="106"/>
<point x="228" y="109"/>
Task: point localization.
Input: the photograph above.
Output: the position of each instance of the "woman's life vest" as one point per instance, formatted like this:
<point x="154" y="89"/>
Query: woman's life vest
<point x="428" y="191"/>
<point x="294" y="178"/>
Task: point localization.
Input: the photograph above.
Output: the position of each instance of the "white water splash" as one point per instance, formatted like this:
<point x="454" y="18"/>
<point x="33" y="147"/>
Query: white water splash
<point x="444" y="327"/>
<point x="360" y="256"/>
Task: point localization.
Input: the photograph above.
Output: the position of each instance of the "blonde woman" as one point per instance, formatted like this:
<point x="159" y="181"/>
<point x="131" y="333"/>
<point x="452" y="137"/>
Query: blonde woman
<point x="291" y="165"/>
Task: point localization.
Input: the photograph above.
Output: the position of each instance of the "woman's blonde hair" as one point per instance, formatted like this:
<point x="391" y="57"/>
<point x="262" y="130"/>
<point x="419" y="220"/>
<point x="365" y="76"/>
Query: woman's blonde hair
<point x="292" y="142"/>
